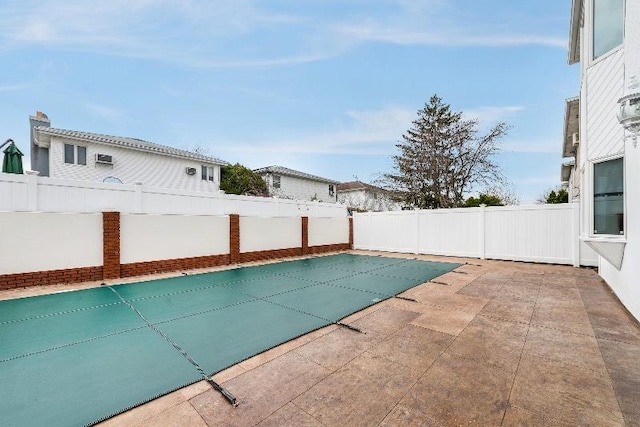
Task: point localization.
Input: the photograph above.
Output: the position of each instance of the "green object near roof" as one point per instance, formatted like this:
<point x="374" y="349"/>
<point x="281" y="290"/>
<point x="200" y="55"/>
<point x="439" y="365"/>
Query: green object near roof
<point x="12" y="162"/>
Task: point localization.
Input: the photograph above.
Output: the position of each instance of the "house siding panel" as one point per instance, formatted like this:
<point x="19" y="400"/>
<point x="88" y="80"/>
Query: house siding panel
<point x="130" y="166"/>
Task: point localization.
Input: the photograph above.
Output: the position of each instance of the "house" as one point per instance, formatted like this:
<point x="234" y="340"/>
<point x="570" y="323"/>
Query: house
<point x="601" y="134"/>
<point x="77" y="155"/>
<point x="292" y="184"/>
<point x="360" y="196"/>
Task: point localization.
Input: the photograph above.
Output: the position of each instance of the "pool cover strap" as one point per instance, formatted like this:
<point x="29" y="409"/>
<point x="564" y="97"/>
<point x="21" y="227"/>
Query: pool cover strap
<point x="226" y="393"/>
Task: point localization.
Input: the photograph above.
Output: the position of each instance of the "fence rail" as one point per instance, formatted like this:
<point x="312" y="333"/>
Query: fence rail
<point x="30" y="193"/>
<point x="536" y="233"/>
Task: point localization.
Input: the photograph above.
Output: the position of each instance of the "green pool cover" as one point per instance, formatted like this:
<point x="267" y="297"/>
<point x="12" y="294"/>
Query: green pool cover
<point x="80" y="357"/>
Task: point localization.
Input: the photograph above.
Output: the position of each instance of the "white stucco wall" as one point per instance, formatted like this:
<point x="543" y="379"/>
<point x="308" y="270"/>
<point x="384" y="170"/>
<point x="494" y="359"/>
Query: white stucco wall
<point x="36" y="241"/>
<point x="158" y="237"/>
<point x="328" y="231"/>
<point x="130" y="166"/>
<point x="262" y="233"/>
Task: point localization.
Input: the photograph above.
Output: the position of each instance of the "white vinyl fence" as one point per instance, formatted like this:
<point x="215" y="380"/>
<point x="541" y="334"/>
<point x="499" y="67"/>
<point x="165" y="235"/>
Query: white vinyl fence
<point x="30" y="193"/>
<point x="536" y="233"/>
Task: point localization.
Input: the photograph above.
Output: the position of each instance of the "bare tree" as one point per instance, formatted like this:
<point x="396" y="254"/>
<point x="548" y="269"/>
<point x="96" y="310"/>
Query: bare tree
<point x="442" y="157"/>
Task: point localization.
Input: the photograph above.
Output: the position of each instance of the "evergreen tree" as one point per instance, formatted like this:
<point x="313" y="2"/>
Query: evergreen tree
<point x="442" y="157"/>
<point x="237" y="179"/>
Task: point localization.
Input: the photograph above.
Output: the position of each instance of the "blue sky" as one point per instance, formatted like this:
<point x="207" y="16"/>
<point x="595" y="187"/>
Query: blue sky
<point x="323" y="86"/>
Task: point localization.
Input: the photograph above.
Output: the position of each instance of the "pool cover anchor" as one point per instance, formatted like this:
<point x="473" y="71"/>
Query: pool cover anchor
<point x="439" y="283"/>
<point x="405" y="298"/>
<point x="353" y="328"/>
<point x="223" y="391"/>
<point x="459" y="272"/>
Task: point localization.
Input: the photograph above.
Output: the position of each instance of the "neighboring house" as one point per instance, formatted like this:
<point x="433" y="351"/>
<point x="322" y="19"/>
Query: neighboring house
<point x="605" y="40"/>
<point x="292" y="184"/>
<point x="70" y="154"/>
<point x="359" y="196"/>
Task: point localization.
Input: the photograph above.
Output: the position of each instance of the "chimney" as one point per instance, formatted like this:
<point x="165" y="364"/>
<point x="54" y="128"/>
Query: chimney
<point x="39" y="155"/>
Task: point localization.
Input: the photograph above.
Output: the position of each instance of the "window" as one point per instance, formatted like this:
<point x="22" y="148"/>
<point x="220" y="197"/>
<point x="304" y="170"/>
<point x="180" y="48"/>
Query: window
<point x="608" y="197"/>
<point x="208" y="173"/>
<point x="608" y="25"/>
<point x="276" y="181"/>
<point x="75" y="154"/>
<point x="332" y="190"/>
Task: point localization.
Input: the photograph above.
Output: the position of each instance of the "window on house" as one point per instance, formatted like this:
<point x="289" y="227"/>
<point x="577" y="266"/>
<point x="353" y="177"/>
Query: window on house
<point x="208" y="173"/>
<point x="608" y="197"/>
<point x="75" y="154"/>
<point x="332" y="190"/>
<point x="276" y="181"/>
<point x="608" y="25"/>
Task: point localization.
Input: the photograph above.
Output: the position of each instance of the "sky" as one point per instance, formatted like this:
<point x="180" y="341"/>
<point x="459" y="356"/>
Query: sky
<point x="326" y="87"/>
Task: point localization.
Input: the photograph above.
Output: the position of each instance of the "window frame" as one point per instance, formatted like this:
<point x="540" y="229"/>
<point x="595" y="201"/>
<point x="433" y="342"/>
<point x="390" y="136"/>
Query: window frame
<point x="207" y="173"/>
<point x="75" y="154"/>
<point x="332" y="190"/>
<point x="592" y="54"/>
<point x="276" y="181"/>
<point x="592" y="198"/>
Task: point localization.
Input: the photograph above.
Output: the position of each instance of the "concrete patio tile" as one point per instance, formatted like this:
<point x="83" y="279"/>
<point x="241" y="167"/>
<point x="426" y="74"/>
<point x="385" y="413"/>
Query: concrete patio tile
<point x="443" y="298"/>
<point x="278" y="351"/>
<point x="520" y="290"/>
<point x="458" y="391"/>
<point x="623" y="363"/>
<point x="483" y="288"/>
<point x="569" y="393"/>
<point x="404" y="416"/>
<point x="508" y="308"/>
<point x="491" y="341"/>
<point x="261" y="391"/>
<point x="565" y="347"/>
<point x="518" y="417"/>
<point x="181" y="415"/>
<point x="290" y="415"/>
<point x="445" y="320"/>
<point x="413" y="347"/>
<point x="385" y="321"/>
<point x="360" y="394"/>
<point x="158" y="406"/>
<point x="565" y="317"/>
<point x="337" y="348"/>
<point x="228" y="374"/>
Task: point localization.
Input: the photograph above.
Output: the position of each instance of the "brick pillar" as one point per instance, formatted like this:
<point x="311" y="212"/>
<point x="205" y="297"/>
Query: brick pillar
<point x="305" y="235"/>
<point x="234" y="239"/>
<point x="350" y="232"/>
<point x="110" y="245"/>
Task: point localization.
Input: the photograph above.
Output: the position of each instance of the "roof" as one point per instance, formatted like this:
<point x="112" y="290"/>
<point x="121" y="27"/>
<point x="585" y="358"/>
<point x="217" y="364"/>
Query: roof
<point x="281" y="170"/>
<point x="577" y="9"/>
<point x="126" y="142"/>
<point x="571" y="126"/>
<point x="357" y="185"/>
<point x="565" y="171"/>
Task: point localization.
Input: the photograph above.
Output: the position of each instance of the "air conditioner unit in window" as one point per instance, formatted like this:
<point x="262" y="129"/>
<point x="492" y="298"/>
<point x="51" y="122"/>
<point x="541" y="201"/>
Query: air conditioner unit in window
<point x="191" y="171"/>
<point x="575" y="139"/>
<point x="104" y="159"/>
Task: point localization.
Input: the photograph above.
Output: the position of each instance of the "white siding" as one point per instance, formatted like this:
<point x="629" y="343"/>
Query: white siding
<point x="49" y="241"/>
<point x="158" y="237"/>
<point x="605" y="85"/>
<point x="261" y="234"/>
<point x="300" y="188"/>
<point x="130" y="166"/>
<point x="328" y="231"/>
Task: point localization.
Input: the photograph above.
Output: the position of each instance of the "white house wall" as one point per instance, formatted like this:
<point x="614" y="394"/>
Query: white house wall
<point x="36" y="241"/>
<point x="328" y="231"/>
<point x="155" y="237"/>
<point x="261" y="233"/>
<point x="303" y="189"/>
<point x="605" y="85"/>
<point x="130" y="166"/>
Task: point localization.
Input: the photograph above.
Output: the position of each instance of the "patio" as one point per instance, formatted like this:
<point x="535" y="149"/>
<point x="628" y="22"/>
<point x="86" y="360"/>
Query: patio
<point x="504" y="344"/>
